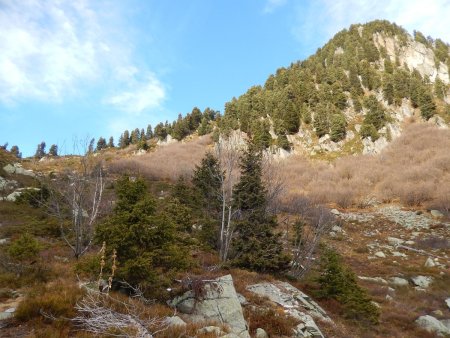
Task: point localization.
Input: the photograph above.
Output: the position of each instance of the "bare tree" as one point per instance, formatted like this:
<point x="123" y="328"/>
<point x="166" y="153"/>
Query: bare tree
<point x="76" y="199"/>
<point x="311" y="221"/>
<point x="228" y="151"/>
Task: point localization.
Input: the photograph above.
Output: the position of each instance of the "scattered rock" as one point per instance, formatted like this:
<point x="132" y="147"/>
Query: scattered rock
<point x="294" y="303"/>
<point x="175" y="321"/>
<point x="395" y="241"/>
<point x="380" y="254"/>
<point x="398" y="254"/>
<point x="438" y="313"/>
<point x="336" y="228"/>
<point x="436" y="214"/>
<point x="430" y="263"/>
<point x="220" y="303"/>
<point x="397" y="281"/>
<point x="373" y="279"/>
<point x="4" y="241"/>
<point x="211" y="330"/>
<point x="242" y="299"/>
<point x="260" y="333"/>
<point x="335" y="212"/>
<point x="447" y="301"/>
<point x="389" y="298"/>
<point x="431" y="324"/>
<point x="422" y="281"/>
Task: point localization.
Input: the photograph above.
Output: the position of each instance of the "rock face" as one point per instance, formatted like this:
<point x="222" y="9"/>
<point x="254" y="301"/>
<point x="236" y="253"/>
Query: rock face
<point x="431" y="324"/>
<point x="295" y="303"/>
<point x="16" y="168"/>
<point x="220" y="303"/>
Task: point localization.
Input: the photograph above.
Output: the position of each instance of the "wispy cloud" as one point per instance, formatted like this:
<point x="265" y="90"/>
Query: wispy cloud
<point x="140" y="94"/>
<point x="51" y="50"/>
<point x="321" y="19"/>
<point x="272" y="5"/>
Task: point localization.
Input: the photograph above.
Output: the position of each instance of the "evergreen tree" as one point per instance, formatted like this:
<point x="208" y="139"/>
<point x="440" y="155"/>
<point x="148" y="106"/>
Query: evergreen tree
<point x="101" y="144"/>
<point x="207" y="179"/>
<point x="111" y="142"/>
<point x="53" y="151"/>
<point x="205" y="127"/>
<point x="256" y="246"/>
<point x="338" y="127"/>
<point x="148" y="242"/>
<point x="15" y="151"/>
<point x="260" y="134"/>
<point x="149" y="132"/>
<point x="40" y="151"/>
<point x="339" y="282"/>
<point x="91" y="146"/>
<point x="125" y="139"/>
<point x="283" y="142"/>
<point x="321" y="120"/>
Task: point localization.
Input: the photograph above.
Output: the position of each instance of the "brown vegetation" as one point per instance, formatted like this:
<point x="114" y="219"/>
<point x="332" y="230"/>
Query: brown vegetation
<point x="168" y="162"/>
<point x="414" y="170"/>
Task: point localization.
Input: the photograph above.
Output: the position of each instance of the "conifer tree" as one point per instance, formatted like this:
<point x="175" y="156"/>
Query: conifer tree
<point x="256" y="246"/>
<point x="40" y="151"/>
<point x="149" y="132"/>
<point x="15" y="151"/>
<point x="101" y="144"/>
<point x="111" y="142"/>
<point x="53" y="151"/>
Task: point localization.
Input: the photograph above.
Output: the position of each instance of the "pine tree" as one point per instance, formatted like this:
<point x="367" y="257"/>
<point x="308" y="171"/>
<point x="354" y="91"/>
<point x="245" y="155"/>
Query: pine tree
<point x="149" y="132"/>
<point x="283" y="142"/>
<point x="40" y="151"/>
<point x="256" y="246"/>
<point x="15" y="151"/>
<point x="111" y="142"/>
<point x="338" y="127"/>
<point x="208" y="178"/>
<point x="101" y="144"/>
<point x="53" y="151"/>
<point x="91" y="146"/>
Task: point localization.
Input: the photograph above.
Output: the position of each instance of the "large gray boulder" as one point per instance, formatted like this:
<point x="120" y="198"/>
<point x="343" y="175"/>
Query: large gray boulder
<point x="220" y="303"/>
<point x="16" y="168"/>
<point x="431" y="324"/>
<point x="296" y="304"/>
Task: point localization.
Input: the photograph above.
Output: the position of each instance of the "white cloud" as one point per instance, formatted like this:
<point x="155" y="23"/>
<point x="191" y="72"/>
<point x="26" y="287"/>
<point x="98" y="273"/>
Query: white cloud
<point x="140" y="95"/>
<point x="324" y="18"/>
<point x="272" y="5"/>
<point x="51" y="50"/>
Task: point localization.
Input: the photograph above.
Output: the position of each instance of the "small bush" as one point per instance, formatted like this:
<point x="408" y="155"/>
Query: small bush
<point x="57" y="299"/>
<point x="338" y="282"/>
<point x="275" y="323"/>
<point x="26" y="247"/>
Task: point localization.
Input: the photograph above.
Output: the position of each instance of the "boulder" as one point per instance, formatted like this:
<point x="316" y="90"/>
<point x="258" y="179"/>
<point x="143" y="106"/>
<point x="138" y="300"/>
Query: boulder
<point x="373" y="279"/>
<point x="397" y="281"/>
<point x="16" y="168"/>
<point x="436" y="214"/>
<point x="395" y="241"/>
<point x="296" y="304"/>
<point x="380" y="254"/>
<point x="260" y="333"/>
<point x="430" y="263"/>
<point x="431" y="324"/>
<point x="220" y="303"/>
<point x="217" y="331"/>
<point x="174" y="321"/>
<point x="335" y="212"/>
<point x="422" y="281"/>
<point x="447" y="301"/>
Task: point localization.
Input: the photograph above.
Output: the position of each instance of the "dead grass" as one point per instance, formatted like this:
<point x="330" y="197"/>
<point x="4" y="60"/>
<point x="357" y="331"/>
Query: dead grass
<point x="414" y="170"/>
<point x="167" y="162"/>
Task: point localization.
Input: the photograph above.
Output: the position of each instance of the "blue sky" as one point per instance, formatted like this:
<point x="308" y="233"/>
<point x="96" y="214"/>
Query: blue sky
<point x="77" y="69"/>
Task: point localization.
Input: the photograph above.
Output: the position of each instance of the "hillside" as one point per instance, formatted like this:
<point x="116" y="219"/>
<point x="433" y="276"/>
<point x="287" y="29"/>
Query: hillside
<point x="351" y="96"/>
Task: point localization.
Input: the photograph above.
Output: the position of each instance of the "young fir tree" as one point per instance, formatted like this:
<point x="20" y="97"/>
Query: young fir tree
<point x="256" y="245"/>
<point x="111" y="142"/>
<point x="149" y="132"/>
<point x="147" y="239"/>
<point x="101" y="144"/>
<point x="40" y="151"/>
<point x="338" y="127"/>
<point x="53" y="151"/>
<point x="15" y="151"/>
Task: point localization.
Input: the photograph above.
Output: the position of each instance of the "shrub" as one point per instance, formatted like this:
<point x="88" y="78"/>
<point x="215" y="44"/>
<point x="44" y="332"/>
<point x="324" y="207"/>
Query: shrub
<point x="26" y="247"/>
<point x="339" y="282"/>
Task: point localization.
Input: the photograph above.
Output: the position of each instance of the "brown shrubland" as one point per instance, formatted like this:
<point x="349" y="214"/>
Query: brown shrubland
<point x="413" y="170"/>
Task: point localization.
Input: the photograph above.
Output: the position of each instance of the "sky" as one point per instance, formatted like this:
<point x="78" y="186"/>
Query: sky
<point x="76" y="69"/>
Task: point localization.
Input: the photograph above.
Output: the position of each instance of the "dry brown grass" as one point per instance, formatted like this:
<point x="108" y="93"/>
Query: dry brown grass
<point x="414" y="170"/>
<point x="167" y="162"/>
